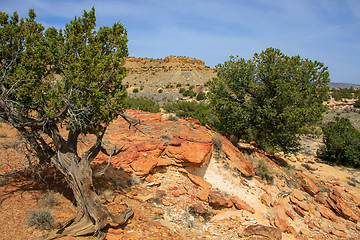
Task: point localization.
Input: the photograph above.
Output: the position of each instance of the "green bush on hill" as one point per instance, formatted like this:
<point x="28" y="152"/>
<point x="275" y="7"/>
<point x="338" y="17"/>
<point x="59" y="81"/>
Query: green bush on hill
<point x="342" y="143"/>
<point x="200" y="111"/>
<point x="142" y="104"/>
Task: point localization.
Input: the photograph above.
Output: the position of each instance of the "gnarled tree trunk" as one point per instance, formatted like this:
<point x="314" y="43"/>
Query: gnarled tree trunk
<point x="91" y="216"/>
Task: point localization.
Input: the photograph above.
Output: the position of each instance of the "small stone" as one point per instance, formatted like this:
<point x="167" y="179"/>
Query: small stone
<point x="299" y="211"/>
<point x="267" y="200"/>
<point x="199" y="181"/>
<point x="305" y="232"/>
<point x="298" y="195"/>
<point x="270" y="232"/>
<point x="240" y="204"/>
<point x="338" y="233"/>
<point x="217" y="199"/>
<point x="203" y="194"/>
<point x="302" y="204"/>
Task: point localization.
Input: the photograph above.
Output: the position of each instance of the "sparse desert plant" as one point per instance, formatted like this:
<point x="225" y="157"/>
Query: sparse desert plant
<point x="160" y="90"/>
<point x="172" y="118"/>
<point x="135" y="90"/>
<point x="265" y="171"/>
<point x="181" y="90"/>
<point x="3" y="181"/>
<point x="217" y="143"/>
<point x="49" y="200"/>
<point x="178" y="85"/>
<point x="40" y="218"/>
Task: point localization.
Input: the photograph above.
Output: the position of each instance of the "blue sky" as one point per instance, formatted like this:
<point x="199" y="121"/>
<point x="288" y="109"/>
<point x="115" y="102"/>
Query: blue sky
<point x="323" y="30"/>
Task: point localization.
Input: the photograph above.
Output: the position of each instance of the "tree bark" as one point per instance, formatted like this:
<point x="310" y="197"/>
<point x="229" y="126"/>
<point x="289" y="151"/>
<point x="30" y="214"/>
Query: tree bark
<point x="91" y="216"/>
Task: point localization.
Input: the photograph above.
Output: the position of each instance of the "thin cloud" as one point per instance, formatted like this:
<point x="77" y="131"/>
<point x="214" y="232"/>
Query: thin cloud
<point x="324" y="30"/>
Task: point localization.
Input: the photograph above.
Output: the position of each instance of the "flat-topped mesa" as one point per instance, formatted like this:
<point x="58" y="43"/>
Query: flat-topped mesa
<point x="184" y="60"/>
<point x="171" y="62"/>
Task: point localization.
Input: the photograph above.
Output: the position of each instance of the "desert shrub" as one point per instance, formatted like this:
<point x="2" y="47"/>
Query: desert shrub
<point x="357" y="103"/>
<point x="40" y="218"/>
<point x="201" y="111"/>
<point x="160" y="90"/>
<point x="172" y="118"/>
<point x="3" y="181"/>
<point x="217" y="143"/>
<point x="265" y="171"/>
<point x="342" y="143"/>
<point x="181" y="90"/>
<point x="135" y="90"/>
<point x="49" y="200"/>
<point x="339" y="94"/>
<point x="142" y="104"/>
<point x="201" y="96"/>
<point x="189" y="93"/>
<point x="178" y="85"/>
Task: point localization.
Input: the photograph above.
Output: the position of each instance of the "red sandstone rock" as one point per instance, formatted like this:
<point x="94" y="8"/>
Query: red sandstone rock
<point x="217" y="199"/>
<point x="144" y="166"/>
<point x="327" y="213"/>
<point x="341" y="207"/>
<point x="241" y="205"/>
<point x="280" y="218"/>
<point x="203" y="194"/>
<point x="308" y="185"/>
<point x="190" y="153"/>
<point x="193" y="120"/>
<point x="199" y="181"/>
<point x="338" y="233"/>
<point x="270" y="232"/>
<point x="302" y="204"/>
<point x="237" y="159"/>
<point x="298" y="195"/>
<point x="299" y="211"/>
<point x="267" y="200"/>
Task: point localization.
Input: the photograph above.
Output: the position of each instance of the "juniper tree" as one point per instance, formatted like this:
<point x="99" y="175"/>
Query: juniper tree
<point x="72" y="78"/>
<point x="271" y="98"/>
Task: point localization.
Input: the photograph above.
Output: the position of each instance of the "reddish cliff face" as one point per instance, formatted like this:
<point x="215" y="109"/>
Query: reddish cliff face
<point x="133" y="62"/>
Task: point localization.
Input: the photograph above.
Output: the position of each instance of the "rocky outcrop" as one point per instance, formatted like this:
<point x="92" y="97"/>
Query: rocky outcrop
<point x="237" y="159"/>
<point x="270" y="233"/>
<point x="341" y="207"/>
<point x="308" y="185"/>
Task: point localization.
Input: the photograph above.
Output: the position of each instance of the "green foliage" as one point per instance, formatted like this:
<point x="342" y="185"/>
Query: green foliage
<point x="135" y="90"/>
<point x="40" y="218"/>
<point x="160" y="90"/>
<point x="201" y="111"/>
<point x="357" y="103"/>
<point x="189" y="93"/>
<point x="271" y="98"/>
<point x="178" y="85"/>
<point x="87" y="64"/>
<point x="201" y="96"/>
<point x="181" y="90"/>
<point x="341" y="93"/>
<point x="142" y="104"/>
<point x="342" y="143"/>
